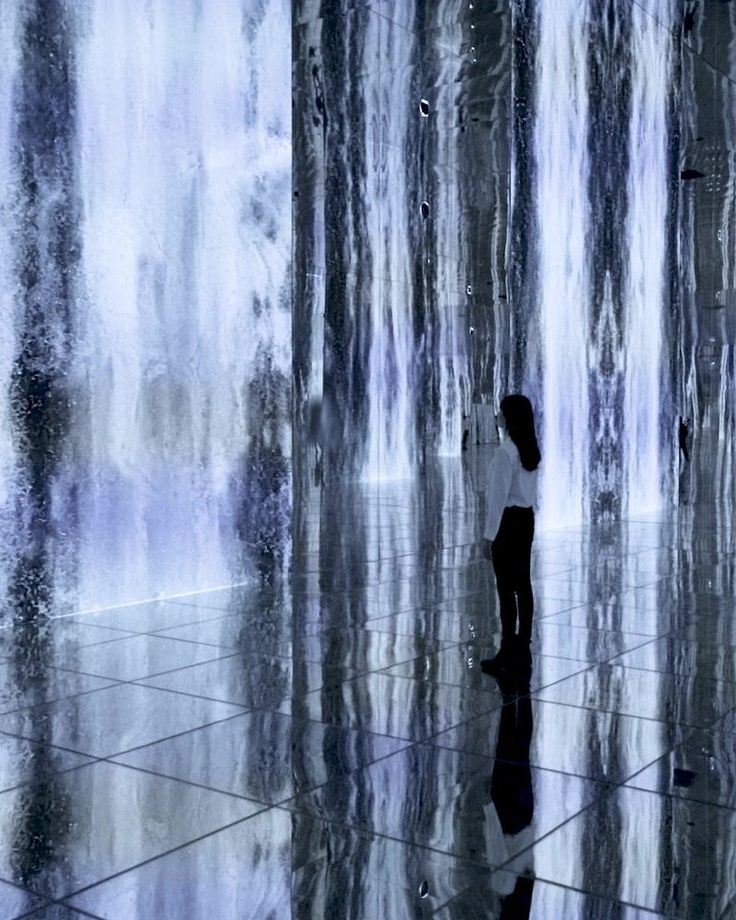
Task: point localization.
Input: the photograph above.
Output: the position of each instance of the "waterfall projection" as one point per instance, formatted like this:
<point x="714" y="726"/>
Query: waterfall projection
<point x="645" y="474"/>
<point x="145" y="159"/>
<point x="561" y="151"/>
<point x="594" y="84"/>
<point x="398" y="227"/>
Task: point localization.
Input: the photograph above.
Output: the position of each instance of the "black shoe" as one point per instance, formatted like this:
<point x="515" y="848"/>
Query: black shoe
<point x="499" y="664"/>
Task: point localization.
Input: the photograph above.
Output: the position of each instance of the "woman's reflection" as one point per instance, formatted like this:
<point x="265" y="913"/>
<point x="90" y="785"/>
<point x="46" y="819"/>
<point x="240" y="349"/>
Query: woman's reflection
<point x="512" y="796"/>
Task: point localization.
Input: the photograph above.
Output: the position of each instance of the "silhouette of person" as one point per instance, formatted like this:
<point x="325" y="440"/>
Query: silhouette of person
<point x="512" y="798"/>
<point x="509" y="531"/>
<point x="511" y="787"/>
<point x="682" y="437"/>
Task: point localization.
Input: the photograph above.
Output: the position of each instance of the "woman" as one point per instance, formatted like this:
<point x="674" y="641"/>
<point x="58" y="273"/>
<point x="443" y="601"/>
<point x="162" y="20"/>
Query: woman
<point x="509" y="530"/>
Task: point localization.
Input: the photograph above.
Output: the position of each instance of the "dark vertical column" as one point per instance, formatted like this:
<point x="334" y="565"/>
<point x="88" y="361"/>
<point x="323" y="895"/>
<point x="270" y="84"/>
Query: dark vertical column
<point x="47" y="250"/>
<point x="484" y="161"/>
<point x="425" y="161"/>
<point x="673" y="326"/>
<point x="609" y="77"/>
<point x="523" y="257"/>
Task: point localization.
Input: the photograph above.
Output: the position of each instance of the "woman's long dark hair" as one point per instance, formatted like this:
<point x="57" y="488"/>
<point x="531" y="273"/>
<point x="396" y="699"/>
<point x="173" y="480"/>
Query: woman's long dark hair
<point x="519" y="415"/>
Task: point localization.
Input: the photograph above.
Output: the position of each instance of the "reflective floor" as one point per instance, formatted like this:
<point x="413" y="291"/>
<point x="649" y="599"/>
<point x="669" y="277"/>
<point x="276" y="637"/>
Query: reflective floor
<point x="329" y="748"/>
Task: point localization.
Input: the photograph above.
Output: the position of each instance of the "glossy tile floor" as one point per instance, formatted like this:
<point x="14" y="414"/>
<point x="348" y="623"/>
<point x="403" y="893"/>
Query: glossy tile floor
<point x="330" y="748"/>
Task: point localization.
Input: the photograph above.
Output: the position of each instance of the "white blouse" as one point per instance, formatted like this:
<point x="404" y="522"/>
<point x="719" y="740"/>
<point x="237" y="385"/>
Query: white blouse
<point x="509" y="484"/>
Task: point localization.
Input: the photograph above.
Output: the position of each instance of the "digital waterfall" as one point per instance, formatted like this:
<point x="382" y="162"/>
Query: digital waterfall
<point x="561" y="147"/>
<point x="593" y="299"/>
<point x="145" y="175"/>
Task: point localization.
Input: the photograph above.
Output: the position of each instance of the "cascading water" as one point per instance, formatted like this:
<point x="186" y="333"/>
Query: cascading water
<point x="648" y="205"/>
<point x="561" y="152"/>
<point x="174" y="455"/>
<point x="390" y="438"/>
<point x="9" y="64"/>
<point x="592" y="288"/>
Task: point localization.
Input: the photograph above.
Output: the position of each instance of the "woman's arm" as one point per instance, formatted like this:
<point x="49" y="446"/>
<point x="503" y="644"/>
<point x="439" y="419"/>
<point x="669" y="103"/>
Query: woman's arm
<point x="498" y="493"/>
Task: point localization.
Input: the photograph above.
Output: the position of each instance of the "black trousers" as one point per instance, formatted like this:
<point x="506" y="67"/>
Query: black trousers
<point x="512" y="557"/>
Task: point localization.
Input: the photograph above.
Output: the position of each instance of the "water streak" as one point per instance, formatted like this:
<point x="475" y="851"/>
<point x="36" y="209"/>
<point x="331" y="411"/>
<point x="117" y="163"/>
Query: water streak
<point x="563" y="213"/>
<point x="645" y="460"/>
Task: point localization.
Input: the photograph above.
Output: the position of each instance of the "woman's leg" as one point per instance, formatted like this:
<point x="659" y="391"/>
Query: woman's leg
<point x="503" y="562"/>
<point x="523" y="586"/>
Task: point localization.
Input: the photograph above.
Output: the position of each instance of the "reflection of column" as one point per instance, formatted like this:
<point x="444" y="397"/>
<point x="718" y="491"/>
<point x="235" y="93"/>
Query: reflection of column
<point x="42" y="809"/>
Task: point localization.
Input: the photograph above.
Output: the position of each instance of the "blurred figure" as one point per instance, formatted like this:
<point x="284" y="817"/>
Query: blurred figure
<point x="682" y="437"/>
<point x="509" y="531"/>
<point x="314" y="437"/>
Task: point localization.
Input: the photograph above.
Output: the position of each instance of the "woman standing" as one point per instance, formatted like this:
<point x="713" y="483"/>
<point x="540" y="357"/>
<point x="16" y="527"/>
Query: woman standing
<point x="509" y="530"/>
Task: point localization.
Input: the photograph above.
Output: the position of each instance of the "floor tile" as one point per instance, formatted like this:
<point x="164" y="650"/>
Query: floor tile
<point x="647" y="694"/>
<point x="506" y="894"/>
<point x="581" y="644"/>
<point x="619" y="618"/>
<point x="144" y="618"/>
<point x="361" y="650"/>
<point x="86" y="833"/>
<point x="702" y="768"/>
<point x="70" y="631"/>
<point x="136" y="657"/>
<point x="281" y="864"/>
<point x="15" y="902"/>
<point x="263" y="755"/>
<point x="460" y="666"/>
<point x="57" y="912"/>
<point x="261" y="601"/>
<point x="352" y="695"/>
<point x="236" y="633"/>
<point x="660" y="597"/>
<point x="115" y="719"/>
<point x="251" y="680"/>
<point x="432" y="624"/>
<point x="468" y="806"/>
<point x="49" y="635"/>
<point x="599" y="745"/>
<point x="480" y="608"/>
<point x="657" y="852"/>
<point x="396" y="706"/>
<point x="726" y="723"/>
<point x="573" y="592"/>
<point x="677" y="656"/>
<point x="23" y="761"/>
<point x="34" y="683"/>
<point x="717" y="629"/>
